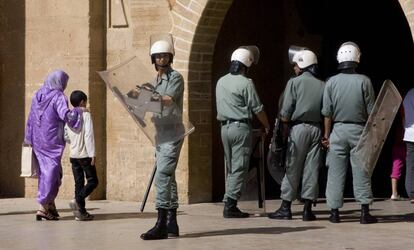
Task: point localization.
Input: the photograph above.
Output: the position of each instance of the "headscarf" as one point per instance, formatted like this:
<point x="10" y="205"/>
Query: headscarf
<point x="54" y="84"/>
<point x="58" y="80"/>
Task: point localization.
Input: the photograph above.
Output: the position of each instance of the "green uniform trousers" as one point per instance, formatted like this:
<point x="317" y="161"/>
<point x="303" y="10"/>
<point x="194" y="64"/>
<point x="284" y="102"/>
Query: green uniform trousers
<point x="167" y="155"/>
<point x="237" y="143"/>
<point x="342" y="141"/>
<point x="303" y="159"/>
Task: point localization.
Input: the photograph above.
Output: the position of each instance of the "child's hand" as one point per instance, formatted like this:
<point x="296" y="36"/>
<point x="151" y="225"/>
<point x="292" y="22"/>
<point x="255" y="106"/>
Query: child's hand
<point x="85" y="109"/>
<point x="93" y="161"/>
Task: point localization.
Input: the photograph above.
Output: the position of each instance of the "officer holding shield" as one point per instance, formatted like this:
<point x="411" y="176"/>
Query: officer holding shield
<point x="348" y="100"/>
<point x="237" y="99"/>
<point x="301" y="110"/>
<point x="170" y="85"/>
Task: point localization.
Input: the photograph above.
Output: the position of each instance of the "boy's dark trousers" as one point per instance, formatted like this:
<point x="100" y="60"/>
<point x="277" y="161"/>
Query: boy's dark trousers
<point x="82" y="168"/>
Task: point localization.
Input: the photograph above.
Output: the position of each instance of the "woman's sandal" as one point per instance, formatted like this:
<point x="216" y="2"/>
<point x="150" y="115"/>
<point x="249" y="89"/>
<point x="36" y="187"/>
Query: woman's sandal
<point x="44" y="215"/>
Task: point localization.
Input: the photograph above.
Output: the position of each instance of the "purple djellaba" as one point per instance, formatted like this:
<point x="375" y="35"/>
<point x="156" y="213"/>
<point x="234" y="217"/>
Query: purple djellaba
<point x="49" y="112"/>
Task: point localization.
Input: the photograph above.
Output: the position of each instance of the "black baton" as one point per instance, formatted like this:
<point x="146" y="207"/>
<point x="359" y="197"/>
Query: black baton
<point x="148" y="188"/>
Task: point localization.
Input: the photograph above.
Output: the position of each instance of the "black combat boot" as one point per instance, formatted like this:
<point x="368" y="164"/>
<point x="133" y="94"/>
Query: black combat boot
<point x="283" y="213"/>
<point x="232" y="211"/>
<point x="172" y="225"/>
<point x="334" y="218"/>
<point x="366" y="218"/>
<point x="159" y="231"/>
<point x="307" y="211"/>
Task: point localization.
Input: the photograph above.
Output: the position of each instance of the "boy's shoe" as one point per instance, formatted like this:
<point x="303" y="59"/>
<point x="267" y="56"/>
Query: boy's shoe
<point x="75" y="208"/>
<point x="395" y="197"/>
<point x="84" y="217"/>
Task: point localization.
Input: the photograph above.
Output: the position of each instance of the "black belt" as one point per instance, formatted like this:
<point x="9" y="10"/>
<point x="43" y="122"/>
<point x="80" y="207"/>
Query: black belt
<point x="305" y="122"/>
<point x="347" y="122"/>
<point x="235" y="121"/>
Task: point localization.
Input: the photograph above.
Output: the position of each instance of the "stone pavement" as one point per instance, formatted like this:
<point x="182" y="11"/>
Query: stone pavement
<point x="117" y="225"/>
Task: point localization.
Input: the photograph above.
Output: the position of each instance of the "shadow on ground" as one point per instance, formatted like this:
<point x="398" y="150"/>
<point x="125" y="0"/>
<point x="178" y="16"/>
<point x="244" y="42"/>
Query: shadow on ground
<point x="117" y="216"/>
<point x="353" y="215"/>
<point x="34" y="211"/>
<point x="258" y="230"/>
<point x="327" y="212"/>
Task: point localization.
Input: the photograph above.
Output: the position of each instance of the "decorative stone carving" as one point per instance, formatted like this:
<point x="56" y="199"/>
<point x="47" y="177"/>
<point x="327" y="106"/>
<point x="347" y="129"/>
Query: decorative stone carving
<point x="118" y="15"/>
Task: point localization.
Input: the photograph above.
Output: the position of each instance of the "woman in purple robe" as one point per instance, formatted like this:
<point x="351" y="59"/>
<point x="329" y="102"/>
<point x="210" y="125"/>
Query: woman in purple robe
<point x="49" y="112"/>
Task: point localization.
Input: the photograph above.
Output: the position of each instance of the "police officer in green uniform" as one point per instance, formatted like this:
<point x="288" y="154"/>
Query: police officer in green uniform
<point x="236" y="101"/>
<point x="301" y="110"/>
<point x="348" y="100"/>
<point x="170" y="85"/>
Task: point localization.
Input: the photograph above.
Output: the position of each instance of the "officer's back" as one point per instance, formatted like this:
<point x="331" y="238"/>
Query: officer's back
<point x="306" y="91"/>
<point x="348" y="100"/>
<point x="235" y="97"/>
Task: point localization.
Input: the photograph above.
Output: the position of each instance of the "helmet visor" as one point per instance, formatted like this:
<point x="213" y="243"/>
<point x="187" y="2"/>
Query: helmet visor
<point x="293" y="49"/>
<point x="255" y="52"/>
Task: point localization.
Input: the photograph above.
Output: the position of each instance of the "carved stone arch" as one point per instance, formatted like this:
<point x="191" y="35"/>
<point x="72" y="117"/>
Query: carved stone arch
<point x="196" y="24"/>
<point x="408" y="8"/>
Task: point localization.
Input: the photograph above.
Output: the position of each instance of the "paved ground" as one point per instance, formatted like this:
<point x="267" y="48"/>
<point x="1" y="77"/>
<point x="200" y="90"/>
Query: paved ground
<point x="117" y="225"/>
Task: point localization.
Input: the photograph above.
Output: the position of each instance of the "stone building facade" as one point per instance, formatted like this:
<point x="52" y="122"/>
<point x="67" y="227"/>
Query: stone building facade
<point x="82" y="37"/>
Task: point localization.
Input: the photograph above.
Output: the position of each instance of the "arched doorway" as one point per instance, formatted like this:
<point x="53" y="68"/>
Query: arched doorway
<point x="382" y="33"/>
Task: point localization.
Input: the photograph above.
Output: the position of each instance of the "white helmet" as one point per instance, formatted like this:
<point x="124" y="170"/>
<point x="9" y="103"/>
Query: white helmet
<point x="243" y="55"/>
<point x="161" y="46"/>
<point x="348" y="52"/>
<point x="304" y="58"/>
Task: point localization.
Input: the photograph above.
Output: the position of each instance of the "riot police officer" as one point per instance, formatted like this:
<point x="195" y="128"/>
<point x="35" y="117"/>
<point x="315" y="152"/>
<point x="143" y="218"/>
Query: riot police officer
<point x="348" y="100"/>
<point x="301" y="111"/>
<point x="237" y="99"/>
<point x="170" y="85"/>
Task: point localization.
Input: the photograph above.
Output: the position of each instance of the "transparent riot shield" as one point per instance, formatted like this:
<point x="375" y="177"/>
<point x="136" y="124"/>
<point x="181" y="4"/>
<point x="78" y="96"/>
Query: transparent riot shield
<point x="254" y="50"/>
<point x="293" y="49"/>
<point x="276" y="155"/>
<point x="137" y="94"/>
<point x="252" y="200"/>
<point x="378" y="125"/>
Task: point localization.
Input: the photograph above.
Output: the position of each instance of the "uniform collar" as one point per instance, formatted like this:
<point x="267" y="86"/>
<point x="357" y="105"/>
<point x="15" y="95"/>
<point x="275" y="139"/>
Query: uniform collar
<point x="165" y="76"/>
<point x="307" y="73"/>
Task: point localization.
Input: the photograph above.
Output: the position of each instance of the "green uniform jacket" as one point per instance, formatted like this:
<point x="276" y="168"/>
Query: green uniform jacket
<point x="302" y="99"/>
<point x="236" y="98"/>
<point x="348" y="98"/>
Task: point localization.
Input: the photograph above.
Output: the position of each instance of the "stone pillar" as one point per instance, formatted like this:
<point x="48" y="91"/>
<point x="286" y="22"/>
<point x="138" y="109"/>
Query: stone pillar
<point x="12" y="96"/>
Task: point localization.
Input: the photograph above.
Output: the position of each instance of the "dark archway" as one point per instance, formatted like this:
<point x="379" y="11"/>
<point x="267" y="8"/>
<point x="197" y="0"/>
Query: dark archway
<point x="381" y="30"/>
